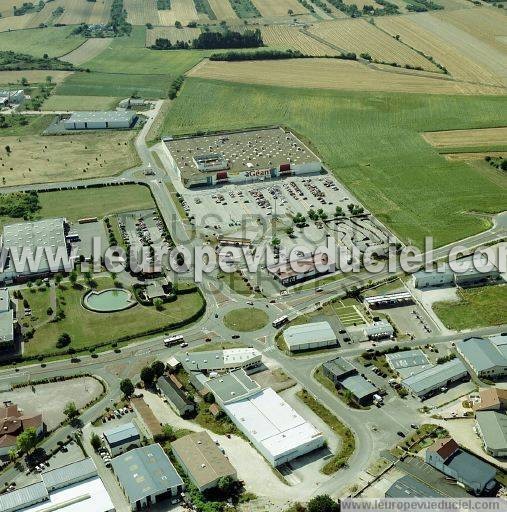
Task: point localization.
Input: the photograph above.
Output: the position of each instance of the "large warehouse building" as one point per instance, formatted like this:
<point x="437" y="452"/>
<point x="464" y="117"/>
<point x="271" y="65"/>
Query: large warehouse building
<point x="492" y="427"/>
<point x="221" y="360"/>
<point x="309" y="336"/>
<point x="486" y="356"/>
<point x="408" y="362"/>
<point x="239" y="157"/>
<point x="100" y="120"/>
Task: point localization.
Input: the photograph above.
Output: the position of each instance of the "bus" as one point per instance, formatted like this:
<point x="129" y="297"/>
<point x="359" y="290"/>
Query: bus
<point x="173" y="340"/>
<point x="280" y="321"/>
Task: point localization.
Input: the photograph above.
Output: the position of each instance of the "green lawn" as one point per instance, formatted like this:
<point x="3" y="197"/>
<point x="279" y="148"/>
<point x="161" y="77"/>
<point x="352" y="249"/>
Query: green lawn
<point x="94" y="202"/>
<point x="477" y="307"/>
<point x="88" y="328"/>
<point x="55" y="41"/>
<point x="35" y="125"/>
<point x="372" y="142"/>
<point x="246" y="319"/>
<point x="60" y="102"/>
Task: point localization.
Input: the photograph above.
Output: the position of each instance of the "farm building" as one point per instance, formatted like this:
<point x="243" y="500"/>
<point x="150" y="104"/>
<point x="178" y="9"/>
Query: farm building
<point x="121" y="438"/>
<point x="390" y="300"/>
<point x="468" y="470"/>
<point x="408" y="362"/>
<point x="492" y="427"/>
<point x="239" y="157"/>
<point x="75" y="487"/>
<point x="428" y="382"/>
<point x="221" y="360"/>
<point x="378" y="330"/>
<point x="100" y="120"/>
<point x="147" y="476"/>
<point x="346" y="377"/>
<point x="176" y="397"/>
<point x="202" y="460"/>
<point x="309" y="336"/>
<point x="12" y="97"/>
<point x="48" y="236"/>
<point x="486" y="356"/>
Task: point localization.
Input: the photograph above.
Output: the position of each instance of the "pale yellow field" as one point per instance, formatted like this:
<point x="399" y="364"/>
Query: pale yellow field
<point x="76" y="11"/>
<point x="140" y="13"/>
<point x="39" y="159"/>
<point x="6" y="7"/>
<point x="172" y="33"/>
<point x="15" y="22"/>
<point x="223" y="9"/>
<point x="359" y="36"/>
<point x="470" y="157"/>
<point x="333" y="74"/>
<point x="89" y="49"/>
<point x="33" y="76"/>
<point x="273" y="8"/>
<point x="467" y="138"/>
<point x="101" y="12"/>
<point x="181" y="10"/>
<point x="285" y="37"/>
<point x="45" y="14"/>
<point x="465" y="57"/>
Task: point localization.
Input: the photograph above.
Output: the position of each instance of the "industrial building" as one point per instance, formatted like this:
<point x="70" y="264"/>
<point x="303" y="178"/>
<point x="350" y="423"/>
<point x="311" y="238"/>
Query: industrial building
<point x="175" y="396"/>
<point x="345" y="376"/>
<point x="408" y="362"/>
<point x="492" y="428"/>
<point x="309" y="336"/>
<point x="75" y="487"/>
<point x="239" y="157"/>
<point x="432" y="380"/>
<point x="486" y="356"/>
<point x="202" y="460"/>
<point x="47" y="236"/>
<point x="100" y="120"/>
<point x="389" y="300"/>
<point x="232" y="386"/>
<point x="468" y="471"/>
<point x="122" y="438"/>
<point x="378" y="330"/>
<point x="409" y="487"/>
<point x="491" y="399"/>
<point x="13" y="422"/>
<point x="147" y="476"/>
<point x="7" y="320"/>
<point x="8" y="97"/>
<point x="221" y="360"/>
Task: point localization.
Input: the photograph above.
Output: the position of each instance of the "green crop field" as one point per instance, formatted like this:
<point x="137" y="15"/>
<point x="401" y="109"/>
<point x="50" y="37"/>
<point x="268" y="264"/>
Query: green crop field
<point x="55" y="41"/>
<point x="372" y="142"/>
<point x="477" y="307"/>
<point x="60" y="102"/>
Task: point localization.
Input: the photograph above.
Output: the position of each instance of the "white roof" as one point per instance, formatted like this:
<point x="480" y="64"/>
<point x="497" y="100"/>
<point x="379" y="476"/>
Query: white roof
<point x="239" y="355"/>
<point x="315" y="332"/>
<point x="270" y="421"/>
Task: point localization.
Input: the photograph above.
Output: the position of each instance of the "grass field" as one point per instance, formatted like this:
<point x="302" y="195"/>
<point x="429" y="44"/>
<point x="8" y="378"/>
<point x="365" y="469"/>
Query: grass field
<point x="140" y="13"/>
<point x="88" y="328"/>
<point x="87" y="51"/>
<point x="372" y="143"/>
<point x="477" y="307"/>
<point x="246" y="319"/>
<point x="33" y="76"/>
<point x="172" y="33"/>
<point x="333" y="74"/>
<point x="53" y="41"/>
<point x="349" y="315"/>
<point x="43" y="159"/>
<point x="60" y="102"/>
<point x="467" y="138"/>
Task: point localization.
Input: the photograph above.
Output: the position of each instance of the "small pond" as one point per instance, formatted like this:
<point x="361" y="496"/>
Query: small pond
<point x="107" y="301"/>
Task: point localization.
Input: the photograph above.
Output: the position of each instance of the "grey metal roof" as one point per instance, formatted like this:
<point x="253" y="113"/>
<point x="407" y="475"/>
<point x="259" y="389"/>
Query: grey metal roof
<point x="434" y="376"/>
<point x="409" y="487"/>
<point x="6" y="326"/>
<point x="122" y="434"/>
<point x="408" y="362"/>
<point x="145" y="471"/>
<point x="60" y="477"/>
<point x="232" y="386"/>
<point x="376" y="328"/>
<point x="209" y="360"/>
<point x="177" y="398"/>
<point x="493" y="427"/>
<point x="103" y="116"/>
<point x="358" y="386"/>
<point x="4" y="299"/>
<point x="483" y="353"/>
<point x="314" y="332"/>
<point x="339" y="367"/>
<point x="23" y="497"/>
<point x="470" y="469"/>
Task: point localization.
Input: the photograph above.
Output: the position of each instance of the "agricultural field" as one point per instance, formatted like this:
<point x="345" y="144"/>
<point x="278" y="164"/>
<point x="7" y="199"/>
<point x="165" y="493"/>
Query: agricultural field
<point x="6" y="7"/>
<point x="55" y="41"/>
<point x="285" y="37"/>
<point x="172" y="33"/>
<point x="181" y="10"/>
<point x="15" y="23"/>
<point x="101" y="12"/>
<point x="58" y="102"/>
<point x="33" y="76"/>
<point x="140" y="13"/>
<point x="223" y="9"/>
<point x="87" y="51"/>
<point x="359" y="36"/>
<point x="270" y="9"/>
<point x="465" y="56"/>
<point x="467" y="138"/>
<point x="76" y="11"/>
<point x="333" y="74"/>
<point x="44" y="159"/>
<point x="372" y="142"/>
